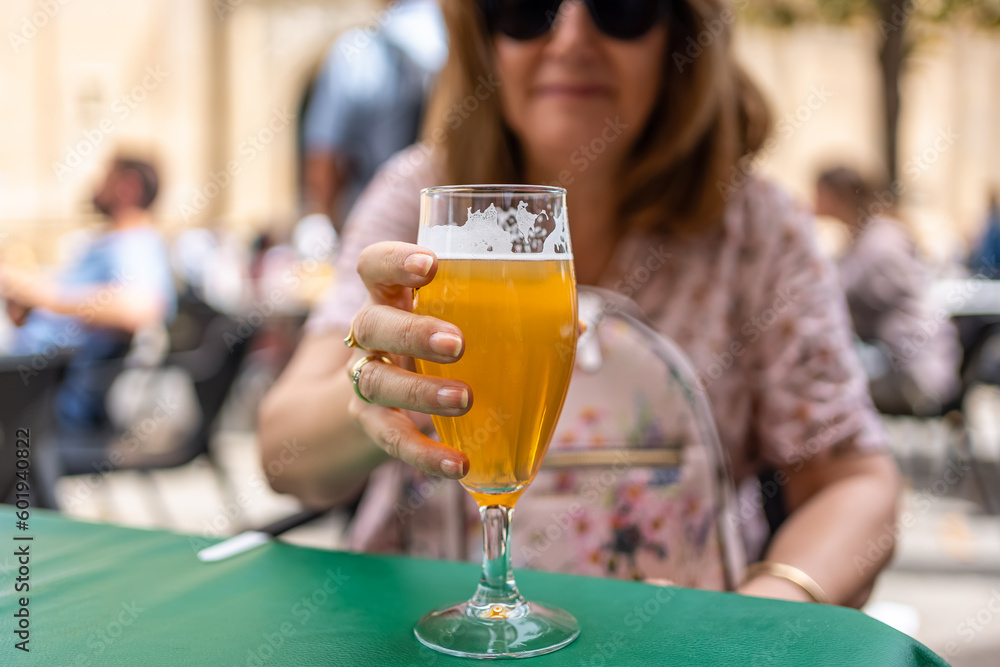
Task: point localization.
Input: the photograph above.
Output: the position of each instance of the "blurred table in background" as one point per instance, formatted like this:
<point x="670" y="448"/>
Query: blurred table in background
<point x="110" y="596"/>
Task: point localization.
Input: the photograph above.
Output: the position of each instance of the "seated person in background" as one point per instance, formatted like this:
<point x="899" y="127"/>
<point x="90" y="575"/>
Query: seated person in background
<point x="670" y="131"/>
<point x="911" y="352"/>
<point x="118" y="285"/>
<point x="985" y="257"/>
<point x="367" y="104"/>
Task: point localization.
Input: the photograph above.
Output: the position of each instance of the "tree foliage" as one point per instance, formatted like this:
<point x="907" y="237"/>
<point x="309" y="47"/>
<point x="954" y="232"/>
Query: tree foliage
<point x="981" y="13"/>
<point x="894" y="19"/>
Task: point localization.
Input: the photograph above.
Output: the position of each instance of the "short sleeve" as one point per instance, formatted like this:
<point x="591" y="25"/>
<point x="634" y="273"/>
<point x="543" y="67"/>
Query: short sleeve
<point x="140" y="262"/>
<point x="387" y="210"/>
<point x="810" y="394"/>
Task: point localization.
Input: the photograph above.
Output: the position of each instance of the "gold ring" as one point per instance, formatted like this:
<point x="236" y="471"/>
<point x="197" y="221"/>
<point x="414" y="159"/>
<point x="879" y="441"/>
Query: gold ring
<point x="356" y="371"/>
<point x="350" y="340"/>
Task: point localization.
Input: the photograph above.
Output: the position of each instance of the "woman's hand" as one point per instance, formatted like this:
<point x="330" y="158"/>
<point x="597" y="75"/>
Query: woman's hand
<point x="839" y="505"/>
<point x="766" y="586"/>
<point x="390" y="271"/>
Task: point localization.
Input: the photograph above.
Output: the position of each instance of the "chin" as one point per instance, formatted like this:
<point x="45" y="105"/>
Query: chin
<point x="569" y="150"/>
<point x="583" y="121"/>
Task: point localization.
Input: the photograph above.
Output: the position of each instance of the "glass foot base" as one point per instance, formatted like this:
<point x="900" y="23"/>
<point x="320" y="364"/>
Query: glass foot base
<point x="521" y="630"/>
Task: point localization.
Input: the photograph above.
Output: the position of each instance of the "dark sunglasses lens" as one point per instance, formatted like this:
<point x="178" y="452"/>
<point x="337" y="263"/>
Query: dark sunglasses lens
<point x="525" y="19"/>
<point x="625" y="19"/>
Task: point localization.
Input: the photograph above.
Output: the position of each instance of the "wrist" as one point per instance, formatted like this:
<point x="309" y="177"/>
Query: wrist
<point x="767" y="586"/>
<point x="779" y="580"/>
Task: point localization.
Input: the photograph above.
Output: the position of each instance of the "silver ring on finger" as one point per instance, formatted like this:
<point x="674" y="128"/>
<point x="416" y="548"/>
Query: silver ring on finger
<point x="356" y="371"/>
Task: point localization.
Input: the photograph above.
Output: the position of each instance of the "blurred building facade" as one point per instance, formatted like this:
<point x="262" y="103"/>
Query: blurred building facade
<point x="211" y="88"/>
<point x="214" y="89"/>
<point x="824" y="85"/>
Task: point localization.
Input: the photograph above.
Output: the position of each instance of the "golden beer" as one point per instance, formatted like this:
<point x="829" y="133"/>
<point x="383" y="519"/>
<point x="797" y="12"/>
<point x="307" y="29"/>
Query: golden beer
<point x="519" y="320"/>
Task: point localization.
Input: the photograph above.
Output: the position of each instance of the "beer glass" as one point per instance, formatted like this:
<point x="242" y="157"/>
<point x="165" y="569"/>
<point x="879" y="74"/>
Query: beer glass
<point x="505" y="278"/>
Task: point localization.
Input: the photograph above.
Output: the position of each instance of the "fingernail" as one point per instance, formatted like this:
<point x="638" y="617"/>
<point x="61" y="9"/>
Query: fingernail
<point x="452" y="468"/>
<point x="453" y="397"/>
<point x="418" y="264"/>
<point x="446" y="344"/>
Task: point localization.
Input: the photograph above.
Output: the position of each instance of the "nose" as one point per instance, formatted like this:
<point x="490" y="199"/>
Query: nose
<point x="573" y="31"/>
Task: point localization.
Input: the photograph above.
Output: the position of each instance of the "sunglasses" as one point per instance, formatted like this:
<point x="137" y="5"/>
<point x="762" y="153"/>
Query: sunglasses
<point x="530" y="19"/>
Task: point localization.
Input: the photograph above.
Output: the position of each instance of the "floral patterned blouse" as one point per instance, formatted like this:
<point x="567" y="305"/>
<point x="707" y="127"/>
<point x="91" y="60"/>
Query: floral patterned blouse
<point x="760" y="315"/>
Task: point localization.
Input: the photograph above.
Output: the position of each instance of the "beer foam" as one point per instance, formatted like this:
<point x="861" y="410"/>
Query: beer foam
<point x="508" y="234"/>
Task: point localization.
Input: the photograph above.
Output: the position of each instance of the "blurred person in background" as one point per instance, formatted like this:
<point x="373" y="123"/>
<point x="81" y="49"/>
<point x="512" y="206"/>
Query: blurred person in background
<point x="910" y="351"/>
<point x="986" y="254"/>
<point x="367" y="104"/>
<point x="980" y="332"/>
<point x="118" y="285"/>
<point x="673" y="128"/>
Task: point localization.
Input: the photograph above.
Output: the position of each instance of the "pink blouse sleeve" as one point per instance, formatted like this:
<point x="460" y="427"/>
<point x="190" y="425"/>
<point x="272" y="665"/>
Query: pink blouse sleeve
<point x="810" y="392"/>
<point x="387" y="210"/>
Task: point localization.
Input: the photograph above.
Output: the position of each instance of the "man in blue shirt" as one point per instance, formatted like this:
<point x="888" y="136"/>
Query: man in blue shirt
<point x="119" y="284"/>
<point x="367" y="102"/>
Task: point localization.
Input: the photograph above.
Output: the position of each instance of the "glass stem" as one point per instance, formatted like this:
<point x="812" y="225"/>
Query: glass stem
<point x="496" y="585"/>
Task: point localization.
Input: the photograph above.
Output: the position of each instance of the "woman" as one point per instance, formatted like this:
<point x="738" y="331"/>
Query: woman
<point x="645" y="132"/>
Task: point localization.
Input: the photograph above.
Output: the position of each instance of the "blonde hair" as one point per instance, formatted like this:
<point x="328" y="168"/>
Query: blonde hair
<point x="708" y="116"/>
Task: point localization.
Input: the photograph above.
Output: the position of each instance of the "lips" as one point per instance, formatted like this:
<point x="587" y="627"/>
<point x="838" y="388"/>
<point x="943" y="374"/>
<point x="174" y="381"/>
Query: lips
<point x="573" y="90"/>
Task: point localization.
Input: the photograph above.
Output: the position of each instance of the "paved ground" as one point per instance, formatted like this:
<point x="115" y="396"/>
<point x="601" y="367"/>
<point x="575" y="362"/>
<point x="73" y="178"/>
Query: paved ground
<point x="947" y="574"/>
<point x="943" y="586"/>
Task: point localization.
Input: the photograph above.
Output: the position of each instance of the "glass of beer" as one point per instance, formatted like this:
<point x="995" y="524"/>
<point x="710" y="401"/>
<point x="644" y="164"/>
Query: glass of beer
<point x="505" y="278"/>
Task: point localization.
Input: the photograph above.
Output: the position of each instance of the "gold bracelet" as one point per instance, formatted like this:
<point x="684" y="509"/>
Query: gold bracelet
<point x="792" y="574"/>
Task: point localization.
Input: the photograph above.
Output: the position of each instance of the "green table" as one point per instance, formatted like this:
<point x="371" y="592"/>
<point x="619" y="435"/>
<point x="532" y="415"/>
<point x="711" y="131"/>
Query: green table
<point x="107" y="596"/>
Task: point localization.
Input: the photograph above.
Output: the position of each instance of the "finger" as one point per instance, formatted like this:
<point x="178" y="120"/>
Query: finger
<point x="392" y="330"/>
<point x="390" y="269"/>
<point x="660" y="582"/>
<point x="393" y="432"/>
<point x="393" y="387"/>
